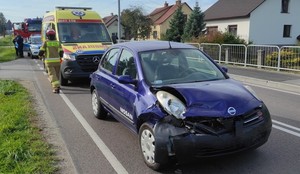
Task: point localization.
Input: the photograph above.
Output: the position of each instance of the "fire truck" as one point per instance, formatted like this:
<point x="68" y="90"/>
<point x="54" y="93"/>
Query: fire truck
<point x="27" y="28"/>
<point x="30" y="26"/>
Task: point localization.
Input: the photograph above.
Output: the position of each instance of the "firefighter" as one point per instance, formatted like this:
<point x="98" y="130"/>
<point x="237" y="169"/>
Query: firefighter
<point x="51" y="50"/>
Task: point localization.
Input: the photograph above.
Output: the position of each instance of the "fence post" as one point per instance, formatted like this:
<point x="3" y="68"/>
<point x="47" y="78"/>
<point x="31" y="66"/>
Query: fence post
<point x="259" y="58"/>
<point x="226" y="55"/>
<point x="279" y="60"/>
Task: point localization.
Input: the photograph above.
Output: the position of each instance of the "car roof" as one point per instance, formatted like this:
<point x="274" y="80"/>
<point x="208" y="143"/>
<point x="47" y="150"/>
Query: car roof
<point x="140" y="46"/>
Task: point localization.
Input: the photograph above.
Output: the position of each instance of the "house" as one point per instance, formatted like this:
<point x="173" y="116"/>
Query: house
<point x="161" y="17"/>
<point x="111" y="23"/>
<point x="258" y="21"/>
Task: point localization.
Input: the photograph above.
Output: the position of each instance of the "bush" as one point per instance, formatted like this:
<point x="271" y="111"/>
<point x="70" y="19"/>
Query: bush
<point x="220" y="38"/>
<point x="288" y="59"/>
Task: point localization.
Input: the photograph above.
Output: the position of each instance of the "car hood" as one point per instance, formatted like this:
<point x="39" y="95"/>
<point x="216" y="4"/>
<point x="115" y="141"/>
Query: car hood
<point x="36" y="44"/>
<point x="221" y="98"/>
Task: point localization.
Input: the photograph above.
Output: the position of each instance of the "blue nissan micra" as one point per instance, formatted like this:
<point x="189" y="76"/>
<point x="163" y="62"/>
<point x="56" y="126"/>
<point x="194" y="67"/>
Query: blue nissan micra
<point x="178" y="100"/>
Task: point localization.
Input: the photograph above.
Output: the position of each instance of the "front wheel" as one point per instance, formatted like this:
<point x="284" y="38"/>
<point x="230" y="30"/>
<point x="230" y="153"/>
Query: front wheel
<point x="147" y="146"/>
<point x="98" y="109"/>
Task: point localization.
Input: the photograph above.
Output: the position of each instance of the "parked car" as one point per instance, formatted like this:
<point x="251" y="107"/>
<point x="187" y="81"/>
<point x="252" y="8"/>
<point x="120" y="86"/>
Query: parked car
<point x="35" y="43"/>
<point x="178" y="100"/>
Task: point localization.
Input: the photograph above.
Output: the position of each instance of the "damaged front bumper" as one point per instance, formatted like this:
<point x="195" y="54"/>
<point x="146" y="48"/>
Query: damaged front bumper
<point x="185" y="141"/>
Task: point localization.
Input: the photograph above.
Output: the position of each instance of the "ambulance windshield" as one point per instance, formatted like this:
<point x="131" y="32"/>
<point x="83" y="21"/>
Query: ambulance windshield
<point x="82" y="32"/>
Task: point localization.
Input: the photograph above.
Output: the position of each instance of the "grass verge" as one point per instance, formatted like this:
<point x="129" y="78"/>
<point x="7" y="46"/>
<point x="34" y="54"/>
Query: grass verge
<point x="7" y="54"/>
<point x="7" y="50"/>
<point x="22" y="147"/>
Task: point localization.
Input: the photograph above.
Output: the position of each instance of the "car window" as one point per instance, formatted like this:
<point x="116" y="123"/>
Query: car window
<point x="110" y="59"/>
<point x="172" y="66"/>
<point x="126" y="65"/>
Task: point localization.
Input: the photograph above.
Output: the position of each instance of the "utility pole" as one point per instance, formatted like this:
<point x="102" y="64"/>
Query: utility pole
<point x="119" y="22"/>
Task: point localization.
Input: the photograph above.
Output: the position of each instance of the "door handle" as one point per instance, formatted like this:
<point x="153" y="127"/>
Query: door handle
<point x="112" y="86"/>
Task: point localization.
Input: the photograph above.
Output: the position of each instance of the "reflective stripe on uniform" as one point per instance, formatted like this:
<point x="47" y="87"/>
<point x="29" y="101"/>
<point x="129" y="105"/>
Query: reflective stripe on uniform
<point x="49" y="60"/>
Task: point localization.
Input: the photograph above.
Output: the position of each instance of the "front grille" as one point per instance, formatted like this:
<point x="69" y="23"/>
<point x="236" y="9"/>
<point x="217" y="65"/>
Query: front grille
<point x="220" y="125"/>
<point x="213" y="126"/>
<point x="87" y="63"/>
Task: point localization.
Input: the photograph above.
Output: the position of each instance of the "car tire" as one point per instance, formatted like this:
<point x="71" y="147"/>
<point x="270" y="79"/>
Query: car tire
<point x="147" y="146"/>
<point x="62" y="80"/>
<point x="97" y="106"/>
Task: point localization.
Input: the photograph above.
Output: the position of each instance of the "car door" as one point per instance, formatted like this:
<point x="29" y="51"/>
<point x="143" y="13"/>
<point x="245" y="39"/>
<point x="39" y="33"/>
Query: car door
<point x="104" y="77"/>
<point x="124" y="95"/>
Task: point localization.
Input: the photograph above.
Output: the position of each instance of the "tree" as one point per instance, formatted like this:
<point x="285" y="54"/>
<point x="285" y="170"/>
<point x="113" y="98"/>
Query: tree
<point x="195" y="24"/>
<point x="176" y="30"/>
<point x="2" y="24"/>
<point x="135" y="23"/>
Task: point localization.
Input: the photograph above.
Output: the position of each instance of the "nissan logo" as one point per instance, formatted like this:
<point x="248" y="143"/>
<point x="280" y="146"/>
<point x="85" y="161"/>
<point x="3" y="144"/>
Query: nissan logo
<point x="231" y="111"/>
<point x="96" y="59"/>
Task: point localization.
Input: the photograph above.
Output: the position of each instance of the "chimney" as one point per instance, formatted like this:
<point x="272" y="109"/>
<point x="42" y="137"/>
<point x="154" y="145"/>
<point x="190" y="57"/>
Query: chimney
<point x="112" y="14"/>
<point x="166" y="4"/>
<point x="178" y="2"/>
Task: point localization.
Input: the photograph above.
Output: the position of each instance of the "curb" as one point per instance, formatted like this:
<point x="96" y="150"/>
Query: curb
<point x="267" y="83"/>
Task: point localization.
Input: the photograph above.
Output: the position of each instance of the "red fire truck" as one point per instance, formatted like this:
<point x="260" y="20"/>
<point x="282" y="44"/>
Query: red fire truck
<point x="30" y="26"/>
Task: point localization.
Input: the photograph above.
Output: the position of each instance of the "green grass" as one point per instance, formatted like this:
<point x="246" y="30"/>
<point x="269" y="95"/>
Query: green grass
<point x="7" y="54"/>
<point x="6" y="41"/>
<point x="22" y="147"/>
<point x="7" y="50"/>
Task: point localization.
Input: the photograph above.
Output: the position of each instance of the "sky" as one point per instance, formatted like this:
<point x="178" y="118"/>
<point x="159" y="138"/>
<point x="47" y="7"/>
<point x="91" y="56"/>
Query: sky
<point x="17" y="10"/>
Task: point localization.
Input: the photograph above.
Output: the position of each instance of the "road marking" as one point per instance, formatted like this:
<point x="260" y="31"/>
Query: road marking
<point x="286" y="125"/>
<point x="285" y="129"/>
<point x="100" y="144"/>
<point x="275" y="89"/>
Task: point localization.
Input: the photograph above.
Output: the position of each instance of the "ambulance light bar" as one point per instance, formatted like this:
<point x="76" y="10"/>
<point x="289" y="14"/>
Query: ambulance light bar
<point x="74" y="8"/>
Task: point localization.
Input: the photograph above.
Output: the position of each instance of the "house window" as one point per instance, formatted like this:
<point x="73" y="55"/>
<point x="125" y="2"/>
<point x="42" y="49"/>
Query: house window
<point x="232" y="29"/>
<point x="287" y="30"/>
<point x="212" y="30"/>
<point x="185" y="17"/>
<point x="154" y="34"/>
<point x="285" y="6"/>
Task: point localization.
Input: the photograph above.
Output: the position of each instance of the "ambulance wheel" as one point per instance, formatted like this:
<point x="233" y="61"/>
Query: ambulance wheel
<point x="62" y="80"/>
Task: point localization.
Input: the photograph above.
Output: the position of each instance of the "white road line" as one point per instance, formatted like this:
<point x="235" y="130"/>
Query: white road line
<point x="286" y="130"/>
<point x="267" y="87"/>
<point x="286" y="125"/>
<point x="100" y="144"/>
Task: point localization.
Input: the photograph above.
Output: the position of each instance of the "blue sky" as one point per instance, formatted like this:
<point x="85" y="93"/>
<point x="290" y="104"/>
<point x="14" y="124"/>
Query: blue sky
<point x="17" y="10"/>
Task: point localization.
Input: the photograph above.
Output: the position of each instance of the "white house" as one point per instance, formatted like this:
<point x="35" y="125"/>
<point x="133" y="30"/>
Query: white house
<point x="259" y="21"/>
<point x="111" y="23"/>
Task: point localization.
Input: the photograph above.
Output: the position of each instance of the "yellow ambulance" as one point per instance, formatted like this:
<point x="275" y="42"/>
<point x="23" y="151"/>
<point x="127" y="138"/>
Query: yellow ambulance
<point x="83" y="36"/>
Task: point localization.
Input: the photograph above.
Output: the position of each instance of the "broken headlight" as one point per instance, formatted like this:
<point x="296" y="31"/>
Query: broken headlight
<point x="171" y="104"/>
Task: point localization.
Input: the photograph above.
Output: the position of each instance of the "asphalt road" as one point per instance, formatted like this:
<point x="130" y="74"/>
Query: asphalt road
<point x="88" y="145"/>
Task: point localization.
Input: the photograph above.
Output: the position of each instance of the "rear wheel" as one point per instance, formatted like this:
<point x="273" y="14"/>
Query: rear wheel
<point x="147" y="146"/>
<point x="62" y="80"/>
<point x="98" y="109"/>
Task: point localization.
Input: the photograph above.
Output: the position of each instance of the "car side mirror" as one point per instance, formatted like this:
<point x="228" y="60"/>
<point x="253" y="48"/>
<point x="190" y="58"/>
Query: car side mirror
<point x="127" y="79"/>
<point x="225" y="69"/>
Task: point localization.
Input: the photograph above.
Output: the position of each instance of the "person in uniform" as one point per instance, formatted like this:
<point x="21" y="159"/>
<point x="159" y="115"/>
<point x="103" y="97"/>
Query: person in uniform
<point x="52" y="51"/>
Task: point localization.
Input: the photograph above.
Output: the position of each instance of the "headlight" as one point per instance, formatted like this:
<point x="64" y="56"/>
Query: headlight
<point x="69" y="56"/>
<point x="252" y="92"/>
<point x="171" y="104"/>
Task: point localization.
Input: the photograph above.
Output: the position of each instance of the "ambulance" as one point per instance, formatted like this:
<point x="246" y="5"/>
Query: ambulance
<point x="83" y="36"/>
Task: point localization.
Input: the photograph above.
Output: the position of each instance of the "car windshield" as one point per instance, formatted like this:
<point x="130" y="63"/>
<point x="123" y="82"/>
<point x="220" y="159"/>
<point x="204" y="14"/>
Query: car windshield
<point x="35" y="26"/>
<point x="175" y="66"/>
<point x="36" y="40"/>
<point x="82" y="32"/>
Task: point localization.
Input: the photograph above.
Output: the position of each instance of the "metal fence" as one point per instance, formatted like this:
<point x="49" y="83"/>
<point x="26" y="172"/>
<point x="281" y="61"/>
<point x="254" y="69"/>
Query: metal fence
<point x="259" y="56"/>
